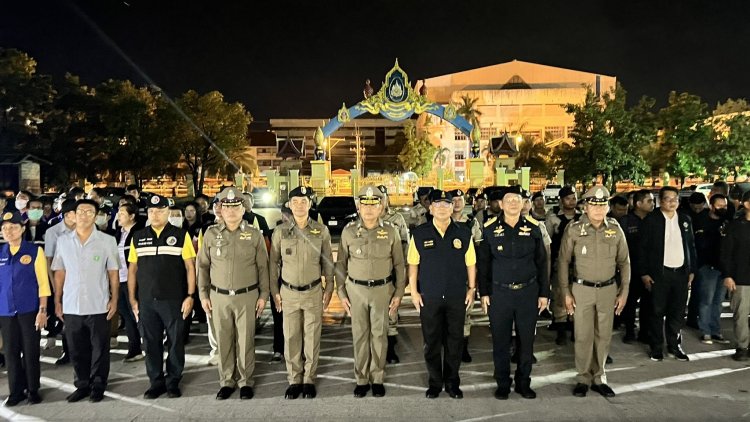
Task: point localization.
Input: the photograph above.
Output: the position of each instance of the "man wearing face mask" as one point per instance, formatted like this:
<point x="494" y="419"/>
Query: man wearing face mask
<point x="35" y="229"/>
<point x="162" y="273"/>
<point x="22" y="203"/>
<point x="709" y="280"/>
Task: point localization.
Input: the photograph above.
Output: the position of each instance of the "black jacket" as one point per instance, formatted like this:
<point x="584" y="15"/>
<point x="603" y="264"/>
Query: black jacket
<point x="734" y="260"/>
<point x="651" y="248"/>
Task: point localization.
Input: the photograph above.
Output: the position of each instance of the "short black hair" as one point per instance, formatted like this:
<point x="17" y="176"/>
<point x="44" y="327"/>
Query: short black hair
<point x="724" y="186"/>
<point x="177" y="208"/>
<point x="202" y="195"/>
<point x="618" y="200"/>
<point x="130" y="208"/>
<point x="132" y="187"/>
<point x="640" y="195"/>
<point x="98" y="191"/>
<point x="715" y="197"/>
<point x="75" y="191"/>
<point x="87" y="202"/>
<point x="129" y="198"/>
<point x="27" y="193"/>
<point x="191" y="204"/>
<point x="666" y="189"/>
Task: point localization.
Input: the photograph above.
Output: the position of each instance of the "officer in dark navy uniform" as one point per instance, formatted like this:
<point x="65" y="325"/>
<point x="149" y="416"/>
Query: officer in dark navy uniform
<point x="438" y="254"/>
<point x="514" y="287"/>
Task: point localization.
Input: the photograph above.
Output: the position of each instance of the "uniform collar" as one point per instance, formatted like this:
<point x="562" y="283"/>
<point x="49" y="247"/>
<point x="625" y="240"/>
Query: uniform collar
<point x="293" y="224"/>
<point x="585" y="220"/>
<point x="361" y="226"/>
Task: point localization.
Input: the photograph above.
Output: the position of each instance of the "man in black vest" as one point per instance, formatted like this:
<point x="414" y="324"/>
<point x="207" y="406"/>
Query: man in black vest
<point x="162" y="272"/>
<point x="667" y="266"/>
<point x="438" y="252"/>
<point x="514" y="287"/>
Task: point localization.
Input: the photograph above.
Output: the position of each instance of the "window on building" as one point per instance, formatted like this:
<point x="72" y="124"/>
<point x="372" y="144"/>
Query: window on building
<point x="460" y="155"/>
<point x="554" y="132"/>
<point x="459" y="136"/>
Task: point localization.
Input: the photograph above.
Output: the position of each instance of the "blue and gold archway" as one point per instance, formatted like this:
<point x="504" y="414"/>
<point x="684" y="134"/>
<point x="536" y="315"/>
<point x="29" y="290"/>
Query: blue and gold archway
<point x="397" y="101"/>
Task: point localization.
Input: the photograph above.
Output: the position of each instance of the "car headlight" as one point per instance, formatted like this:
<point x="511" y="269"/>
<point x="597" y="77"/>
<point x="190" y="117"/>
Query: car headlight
<point x="267" y="197"/>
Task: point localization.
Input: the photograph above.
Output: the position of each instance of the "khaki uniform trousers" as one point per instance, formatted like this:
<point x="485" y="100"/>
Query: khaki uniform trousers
<point x="594" y="313"/>
<point x="559" y="313"/>
<point x="369" y="330"/>
<point x="303" y="319"/>
<point x="234" y="325"/>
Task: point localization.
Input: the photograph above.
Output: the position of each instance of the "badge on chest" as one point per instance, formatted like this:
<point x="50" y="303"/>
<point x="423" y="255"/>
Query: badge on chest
<point x="382" y="234"/>
<point x="610" y="233"/>
<point x="428" y="244"/>
<point x="524" y="231"/>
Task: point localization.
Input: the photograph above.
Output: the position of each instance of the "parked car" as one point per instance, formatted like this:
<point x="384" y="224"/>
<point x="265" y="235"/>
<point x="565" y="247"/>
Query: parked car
<point x="552" y="193"/>
<point x="704" y="188"/>
<point x="337" y="211"/>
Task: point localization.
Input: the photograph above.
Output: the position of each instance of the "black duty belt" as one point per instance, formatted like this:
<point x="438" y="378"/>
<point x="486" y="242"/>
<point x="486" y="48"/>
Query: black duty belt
<point x="372" y="283"/>
<point x="517" y="286"/>
<point x="234" y="292"/>
<point x="304" y="288"/>
<point x="675" y="270"/>
<point x="596" y="284"/>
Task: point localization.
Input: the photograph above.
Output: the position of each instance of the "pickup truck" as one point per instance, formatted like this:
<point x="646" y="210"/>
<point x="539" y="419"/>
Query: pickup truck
<point x="552" y="193"/>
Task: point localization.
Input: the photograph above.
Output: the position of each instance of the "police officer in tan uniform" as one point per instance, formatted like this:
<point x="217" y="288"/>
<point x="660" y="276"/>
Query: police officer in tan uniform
<point x="233" y="287"/>
<point x="369" y="253"/>
<point x="398" y="221"/>
<point x="301" y="252"/>
<point x="459" y="203"/>
<point x="419" y="213"/>
<point x="597" y="243"/>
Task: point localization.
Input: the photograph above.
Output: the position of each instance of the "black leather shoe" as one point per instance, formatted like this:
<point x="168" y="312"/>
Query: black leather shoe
<point x="678" y="354"/>
<point x="741" y="355"/>
<point x="224" y="393"/>
<point x="629" y="337"/>
<point x="378" y="390"/>
<point x="361" y="390"/>
<point x="246" y="393"/>
<point x="609" y="360"/>
<point x="657" y="356"/>
<point x="33" y="397"/>
<point x="12" y="401"/>
<point x="64" y="359"/>
<point x="525" y="392"/>
<point x="293" y="391"/>
<point x="96" y="396"/>
<point x="308" y="391"/>
<point x="78" y="395"/>
<point x="580" y="390"/>
<point x="154" y="392"/>
<point x="603" y="389"/>
<point x="432" y="393"/>
<point x="502" y="393"/>
<point x="454" y="391"/>
<point x="174" y="392"/>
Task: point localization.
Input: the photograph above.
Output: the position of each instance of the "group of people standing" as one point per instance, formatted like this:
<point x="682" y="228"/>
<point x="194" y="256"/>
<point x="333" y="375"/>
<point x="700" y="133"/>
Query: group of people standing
<point x="513" y="256"/>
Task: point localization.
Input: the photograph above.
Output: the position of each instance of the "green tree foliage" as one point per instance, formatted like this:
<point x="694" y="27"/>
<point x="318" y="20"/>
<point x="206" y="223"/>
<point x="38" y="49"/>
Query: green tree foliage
<point x="468" y="109"/>
<point x="731" y="106"/>
<point x="208" y="131"/>
<point x="418" y="152"/>
<point x="730" y="155"/>
<point x="533" y="153"/>
<point x="608" y="139"/>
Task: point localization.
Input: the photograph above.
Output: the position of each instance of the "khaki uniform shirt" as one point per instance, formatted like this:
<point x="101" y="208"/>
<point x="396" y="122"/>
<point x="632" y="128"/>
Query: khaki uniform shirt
<point x="598" y="253"/>
<point x="474" y="226"/>
<point x="398" y="221"/>
<point x="418" y="215"/>
<point x="232" y="259"/>
<point x="301" y="255"/>
<point x="370" y="255"/>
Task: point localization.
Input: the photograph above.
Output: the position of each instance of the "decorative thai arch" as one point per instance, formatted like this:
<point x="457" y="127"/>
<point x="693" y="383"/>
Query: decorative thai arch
<point x="396" y="100"/>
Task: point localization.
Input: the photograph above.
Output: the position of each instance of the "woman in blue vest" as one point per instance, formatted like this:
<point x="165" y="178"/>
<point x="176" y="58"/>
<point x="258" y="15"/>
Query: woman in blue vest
<point x="23" y="282"/>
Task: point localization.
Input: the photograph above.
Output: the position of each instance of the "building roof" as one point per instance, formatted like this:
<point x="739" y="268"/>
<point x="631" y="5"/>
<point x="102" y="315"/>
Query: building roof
<point x="18" y="158"/>
<point x="291" y="148"/>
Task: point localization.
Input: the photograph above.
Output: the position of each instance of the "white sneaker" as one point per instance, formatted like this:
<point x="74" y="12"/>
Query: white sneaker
<point x="214" y="360"/>
<point x="113" y="342"/>
<point x="47" y="343"/>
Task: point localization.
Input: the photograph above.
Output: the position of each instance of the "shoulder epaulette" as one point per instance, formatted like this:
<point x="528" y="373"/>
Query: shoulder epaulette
<point x="490" y="221"/>
<point x="532" y="220"/>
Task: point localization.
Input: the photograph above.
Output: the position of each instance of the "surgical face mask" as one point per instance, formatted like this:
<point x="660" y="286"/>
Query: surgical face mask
<point x="176" y="221"/>
<point x="35" y="214"/>
<point x="21" y="203"/>
<point x="721" y="212"/>
<point x="101" y="220"/>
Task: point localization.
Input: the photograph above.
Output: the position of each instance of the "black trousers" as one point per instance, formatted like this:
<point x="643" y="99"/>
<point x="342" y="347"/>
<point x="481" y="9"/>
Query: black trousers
<point x="131" y="327"/>
<point x="443" y="333"/>
<point x="88" y="343"/>
<point x="20" y="337"/>
<point x="278" y="329"/>
<point x="506" y="307"/>
<point x="156" y="317"/>
<point x="668" y="297"/>
<point x="637" y="292"/>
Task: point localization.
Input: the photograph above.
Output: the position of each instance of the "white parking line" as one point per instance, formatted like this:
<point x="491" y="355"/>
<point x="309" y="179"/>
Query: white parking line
<point x="647" y="385"/>
<point x="12" y="416"/>
<point x="69" y="388"/>
<point x="484" y="418"/>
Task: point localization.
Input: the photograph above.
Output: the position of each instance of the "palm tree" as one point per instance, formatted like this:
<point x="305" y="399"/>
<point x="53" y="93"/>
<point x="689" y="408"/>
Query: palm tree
<point x="468" y="109"/>
<point x="532" y="153"/>
<point x="441" y="157"/>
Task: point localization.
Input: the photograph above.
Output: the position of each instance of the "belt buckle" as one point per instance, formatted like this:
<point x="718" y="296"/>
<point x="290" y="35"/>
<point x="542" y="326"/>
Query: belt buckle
<point x="232" y="292"/>
<point x="515" y="286"/>
<point x="370" y="283"/>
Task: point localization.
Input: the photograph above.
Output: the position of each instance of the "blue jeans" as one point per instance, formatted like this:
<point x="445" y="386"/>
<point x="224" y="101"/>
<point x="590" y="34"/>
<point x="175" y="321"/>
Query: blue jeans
<point x="712" y="293"/>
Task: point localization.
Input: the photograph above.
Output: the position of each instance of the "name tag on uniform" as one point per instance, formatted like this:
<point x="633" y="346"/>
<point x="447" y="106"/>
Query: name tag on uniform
<point x="428" y="244"/>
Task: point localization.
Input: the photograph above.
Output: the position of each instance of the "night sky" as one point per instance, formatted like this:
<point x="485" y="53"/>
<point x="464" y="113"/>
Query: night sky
<point x="303" y="59"/>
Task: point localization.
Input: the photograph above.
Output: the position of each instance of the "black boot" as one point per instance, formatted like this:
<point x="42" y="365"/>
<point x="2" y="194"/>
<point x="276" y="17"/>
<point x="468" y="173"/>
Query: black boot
<point x="391" y="356"/>
<point x="465" y="356"/>
<point x="562" y="337"/>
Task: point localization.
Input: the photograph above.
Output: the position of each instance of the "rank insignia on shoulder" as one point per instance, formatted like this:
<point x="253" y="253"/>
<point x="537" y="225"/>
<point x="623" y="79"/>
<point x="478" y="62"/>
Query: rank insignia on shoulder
<point x="490" y="221"/>
<point x="457" y="243"/>
<point x="532" y="220"/>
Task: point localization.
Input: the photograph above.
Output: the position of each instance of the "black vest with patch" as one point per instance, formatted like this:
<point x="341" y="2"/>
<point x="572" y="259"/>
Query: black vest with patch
<point x="161" y="270"/>
<point x="442" y="265"/>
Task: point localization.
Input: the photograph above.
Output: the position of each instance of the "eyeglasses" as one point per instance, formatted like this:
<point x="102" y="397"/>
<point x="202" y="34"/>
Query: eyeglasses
<point x="513" y="200"/>
<point x="669" y="200"/>
<point x="85" y="212"/>
<point x="442" y="204"/>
